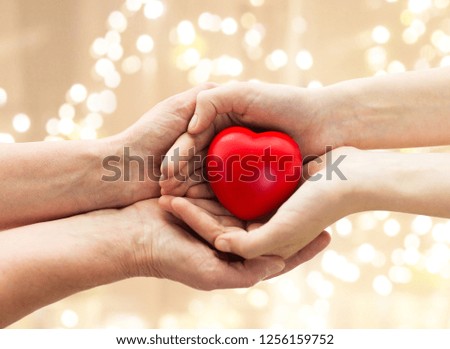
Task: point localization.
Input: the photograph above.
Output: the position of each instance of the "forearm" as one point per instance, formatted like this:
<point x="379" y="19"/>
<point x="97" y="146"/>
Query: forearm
<point x="410" y="183"/>
<point x="42" y="263"/>
<point x="392" y="111"/>
<point x="47" y="180"/>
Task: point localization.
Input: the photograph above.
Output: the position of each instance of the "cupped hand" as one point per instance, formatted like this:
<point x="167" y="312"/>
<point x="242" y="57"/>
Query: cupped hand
<point x="333" y="188"/>
<point x="148" y="140"/>
<point x="302" y="113"/>
<point x="165" y="247"/>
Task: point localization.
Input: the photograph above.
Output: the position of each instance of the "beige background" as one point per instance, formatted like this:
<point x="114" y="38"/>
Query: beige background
<point x="381" y="270"/>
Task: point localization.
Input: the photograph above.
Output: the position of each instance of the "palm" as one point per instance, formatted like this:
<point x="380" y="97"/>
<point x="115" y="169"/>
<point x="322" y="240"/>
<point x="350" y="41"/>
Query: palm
<point x="171" y="250"/>
<point x="209" y="219"/>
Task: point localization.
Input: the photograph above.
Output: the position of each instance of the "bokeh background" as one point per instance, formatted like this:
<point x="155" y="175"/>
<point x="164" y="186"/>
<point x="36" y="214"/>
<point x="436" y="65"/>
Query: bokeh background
<point x="87" y="69"/>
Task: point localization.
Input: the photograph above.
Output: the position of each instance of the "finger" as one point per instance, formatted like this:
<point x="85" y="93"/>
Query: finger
<point x="199" y="219"/>
<point x="165" y="202"/>
<point x="200" y="191"/>
<point x="179" y="185"/>
<point x="244" y="274"/>
<point x="313" y="166"/>
<point x="184" y="149"/>
<point x="306" y="253"/>
<point x="189" y="175"/>
<point x="221" y="100"/>
<point x="258" y="242"/>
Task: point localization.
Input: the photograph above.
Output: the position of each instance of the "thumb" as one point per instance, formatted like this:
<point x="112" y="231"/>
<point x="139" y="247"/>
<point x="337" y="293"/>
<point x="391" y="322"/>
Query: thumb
<point x="258" y="242"/>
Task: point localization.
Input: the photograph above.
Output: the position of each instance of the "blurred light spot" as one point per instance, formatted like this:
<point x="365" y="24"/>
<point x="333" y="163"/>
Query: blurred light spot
<point x="344" y="227"/>
<point x="381" y="34"/>
<point x="3" y="97"/>
<point x="53" y="139"/>
<point x="314" y="84"/>
<point x="441" y="4"/>
<point x="112" y="37"/>
<point x="103" y="67"/>
<point x="210" y="22"/>
<point x="412" y="241"/>
<point x="366" y="221"/>
<point x="381" y="215"/>
<point x="257" y="3"/>
<point x="339" y="267"/>
<point x="376" y="57"/>
<point x="94" y="120"/>
<point x="227" y="65"/>
<point x="410" y="36"/>
<point x="77" y="93"/>
<point x="185" y="32"/>
<point x="440" y="233"/>
<point x="395" y="67"/>
<point x="400" y="275"/>
<point x="52" y="126"/>
<point x="115" y="52"/>
<point x="112" y="79"/>
<point x="144" y="43"/>
<point x="411" y="256"/>
<point x="21" y="123"/>
<point x="299" y="25"/>
<point x="108" y="102"/>
<point x="391" y="227"/>
<point x="87" y="133"/>
<point x="168" y="321"/>
<point x="188" y="59"/>
<point x="131" y="65"/>
<point x="366" y="253"/>
<point x="288" y="290"/>
<point x="445" y="61"/>
<point x="117" y="21"/>
<point x="133" y="5"/>
<point x="421" y="225"/>
<point x="276" y="60"/>
<point x="66" y="111"/>
<point x="153" y="9"/>
<point x="253" y="37"/>
<point x="382" y="285"/>
<point x="93" y="102"/>
<point x="304" y="60"/>
<point x="229" y="26"/>
<point x="99" y="47"/>
<point x="66" y="126"/>
<point x="323" y="288"/>
<point x="258" y="298"/>
<point x="419" y="6"/>
<point x="6" y="138"/>
<point x="69" y="318"/>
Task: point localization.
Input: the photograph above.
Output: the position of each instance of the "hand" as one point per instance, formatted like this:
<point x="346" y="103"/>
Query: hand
<point x="210" y="220"/>
<point x="306" y="115"/>
<point x="149" y="139"/>
<point x="165" y="248"/>
<point x="297" y="228"/>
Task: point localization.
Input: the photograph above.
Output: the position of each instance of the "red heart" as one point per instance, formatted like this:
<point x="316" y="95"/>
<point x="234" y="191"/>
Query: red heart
<point x="251" y="173"/>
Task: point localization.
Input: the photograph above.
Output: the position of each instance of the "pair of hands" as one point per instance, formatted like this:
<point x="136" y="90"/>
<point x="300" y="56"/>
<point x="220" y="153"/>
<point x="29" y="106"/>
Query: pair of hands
<point x="295" y="234"/>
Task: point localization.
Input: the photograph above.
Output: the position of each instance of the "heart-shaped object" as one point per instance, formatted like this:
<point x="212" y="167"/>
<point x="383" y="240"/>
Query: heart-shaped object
<point x="252" y="174"/>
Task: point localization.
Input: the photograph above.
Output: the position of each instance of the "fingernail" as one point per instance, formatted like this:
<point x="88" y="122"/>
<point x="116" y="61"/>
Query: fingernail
<point x="193" y="123"/>
<point x="223" y="245"/>
<point x="162" y="178"/>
